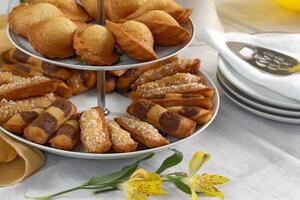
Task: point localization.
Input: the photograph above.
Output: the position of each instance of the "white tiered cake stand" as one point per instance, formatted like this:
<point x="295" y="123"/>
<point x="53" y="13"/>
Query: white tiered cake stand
<point x="117" y="103"/>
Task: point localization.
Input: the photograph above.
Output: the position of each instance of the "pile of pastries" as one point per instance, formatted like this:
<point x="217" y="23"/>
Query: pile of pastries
<point x="169" y="100"/>
<point x="61" y="29"/>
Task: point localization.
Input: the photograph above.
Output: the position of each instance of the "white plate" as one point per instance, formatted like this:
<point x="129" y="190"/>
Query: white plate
<point x="256" y="91"/>
<point x="251" y="101"/>
<point x="125" y="62"/>
<point x="257" y="111"/>
<point x="117" y="105"/>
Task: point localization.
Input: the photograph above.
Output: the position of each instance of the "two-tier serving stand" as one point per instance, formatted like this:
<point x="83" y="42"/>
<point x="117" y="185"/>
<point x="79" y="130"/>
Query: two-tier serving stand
<point x="125" y="62"/>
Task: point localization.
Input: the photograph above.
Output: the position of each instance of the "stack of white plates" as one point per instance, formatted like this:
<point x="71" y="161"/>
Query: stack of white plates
<point x="255" y="98"/>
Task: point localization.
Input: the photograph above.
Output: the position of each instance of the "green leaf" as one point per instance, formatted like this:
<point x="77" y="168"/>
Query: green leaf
<point x="123" y="174"/>
<point x="23" y="1"/>
<point x="171" y="161"/>
<point x="180" y="185"/>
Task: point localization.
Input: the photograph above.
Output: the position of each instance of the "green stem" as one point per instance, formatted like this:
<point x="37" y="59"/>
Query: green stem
<point x="105" y="190"/>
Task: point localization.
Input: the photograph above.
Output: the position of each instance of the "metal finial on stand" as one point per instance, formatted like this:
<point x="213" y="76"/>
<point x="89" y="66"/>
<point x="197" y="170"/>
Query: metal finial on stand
<point x="101" y="73"/>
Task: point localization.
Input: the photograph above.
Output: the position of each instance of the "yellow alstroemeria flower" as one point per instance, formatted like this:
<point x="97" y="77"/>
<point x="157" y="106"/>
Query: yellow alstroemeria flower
<point x="142" y="184"/>
<point x="204" y="183"/>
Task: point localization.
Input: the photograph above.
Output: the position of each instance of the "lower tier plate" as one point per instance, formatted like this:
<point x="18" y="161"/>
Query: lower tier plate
<point x="117" y="104"/>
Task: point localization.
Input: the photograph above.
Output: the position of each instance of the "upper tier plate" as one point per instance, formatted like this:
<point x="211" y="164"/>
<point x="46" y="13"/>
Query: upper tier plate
<point x="125" y="62"/>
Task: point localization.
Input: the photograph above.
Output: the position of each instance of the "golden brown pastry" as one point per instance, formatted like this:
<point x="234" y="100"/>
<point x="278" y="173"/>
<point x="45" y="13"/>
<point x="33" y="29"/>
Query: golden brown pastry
<point x="22" y="17"/>
<point x="119" y="9"/>
<point x="134" y="38"/>
<point x="29" y="87"/>
<point x="118" y="72"/>
<point x="199" y="115"/>
<point x="81" y="81"/>
<point x="94" y="134"/>
<point x="7" y="77"/>
<point x="70" y="9"/>
<point x="67" y="136"/>
<point x="142" y="132"/>
<point x="90" y="6"/>
<point x="43" y="127"/>
<point x="110" y="84"/>
<point x="198" y="100"/>
<point x="132" y="74"/>
<point x="165" y="29"/>
<point x="176" y="79"/>
<point x="18" y="122"/>
<point x="120" y="139"/>
<point x="10" y="108"/>
<point x="53" y="38"/>
<point x="170" y="6"/>
<point x="63" y="90"/>
<point x="188" y="88"/>
<point x="95" y="45"/>
<point x="181" y="65"/>
<point x="168" y="122"/>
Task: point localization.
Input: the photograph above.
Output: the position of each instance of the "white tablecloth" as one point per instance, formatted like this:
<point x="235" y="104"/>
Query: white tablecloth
<point x="261" y="157"/>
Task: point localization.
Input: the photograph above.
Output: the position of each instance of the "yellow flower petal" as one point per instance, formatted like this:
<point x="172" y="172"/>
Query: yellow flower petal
<point x="194" y="194"/>
<point x="149" y="187"/>
<point x="214" y="179"/>
<point x="140" y="174"/>
<point x="197" y="161"/>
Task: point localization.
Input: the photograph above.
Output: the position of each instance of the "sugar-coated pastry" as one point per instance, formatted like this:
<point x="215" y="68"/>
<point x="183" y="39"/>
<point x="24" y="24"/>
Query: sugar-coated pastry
<point x="132" y="74"/>
<point x="176" y="79"/>
<point x="81" y="81"/>
<point x="29" y="87"/>
<point x="94" y="134"/>
<point x="90" y="6"/>
<point x="119" y="9"/>
<point x="18" y="122"/>
<point x="95" y="45"/>
<point x="67" y="136"/>
<point x="44" y="127"/>
<point x="70" y="8"/>
<point x="199" y="115"/>
<point x="164" y="120"/>
<point x="110" y="84"/>
<point x="134" y="38"/>
<point x="10" y="108"/>
<point x="120" y="139"/>
<point x="166" y="30"/>
<point x="22" y="17"/>
<point x="29" y="66"/>
<point x="188" y="88"/>
<point x="181" y="65"/>
<point x="53" y="38"/>
<point x="170" y="6"/>
<point x="7" y="77"/>
<point x="142" y="132"/>
<point x="173" y="99"/>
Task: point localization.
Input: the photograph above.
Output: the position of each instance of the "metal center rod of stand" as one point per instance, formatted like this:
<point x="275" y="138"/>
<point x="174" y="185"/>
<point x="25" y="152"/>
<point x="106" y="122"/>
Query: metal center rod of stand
<point x="101" y="73"/>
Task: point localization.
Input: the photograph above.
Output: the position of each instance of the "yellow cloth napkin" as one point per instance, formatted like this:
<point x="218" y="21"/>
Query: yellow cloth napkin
<point x="17" y="161"/>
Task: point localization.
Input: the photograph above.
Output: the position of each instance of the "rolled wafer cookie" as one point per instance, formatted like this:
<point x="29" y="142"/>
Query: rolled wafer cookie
<point x="43" y="127"/>
<point x="18" y="122"/>
<point x="67" y="136"/>
<point x="199" y="115"/>
<point x="164" y="120"/>
<point x="10" y="108"/>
